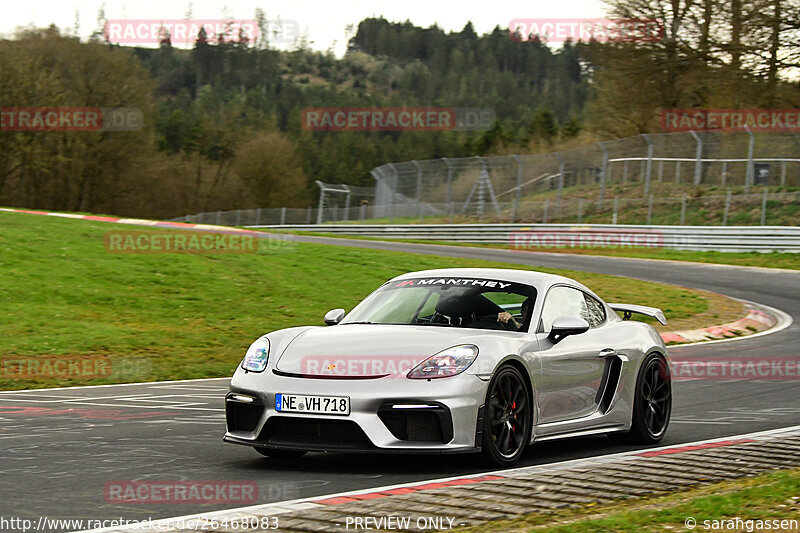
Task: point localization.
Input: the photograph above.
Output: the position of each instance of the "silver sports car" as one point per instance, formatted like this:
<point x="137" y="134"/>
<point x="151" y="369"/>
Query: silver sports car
<point x="455" y="360"/>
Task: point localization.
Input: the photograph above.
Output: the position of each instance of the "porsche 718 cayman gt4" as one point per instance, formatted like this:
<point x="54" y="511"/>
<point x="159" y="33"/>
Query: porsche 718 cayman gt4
<point x="455" y="360"/>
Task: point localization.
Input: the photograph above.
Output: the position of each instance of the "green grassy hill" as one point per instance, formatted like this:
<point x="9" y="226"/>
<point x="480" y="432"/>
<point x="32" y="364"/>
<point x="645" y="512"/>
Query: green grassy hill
<point x="193" y="316"/>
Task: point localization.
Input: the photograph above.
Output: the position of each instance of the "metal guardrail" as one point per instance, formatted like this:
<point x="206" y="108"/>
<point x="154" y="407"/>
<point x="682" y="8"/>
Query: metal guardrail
<point x="547" y="236"/>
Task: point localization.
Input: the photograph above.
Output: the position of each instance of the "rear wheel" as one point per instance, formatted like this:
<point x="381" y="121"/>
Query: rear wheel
<point x="280" y="454"/>
<point x="652" y="404"/>
<point x="506" y="417"/>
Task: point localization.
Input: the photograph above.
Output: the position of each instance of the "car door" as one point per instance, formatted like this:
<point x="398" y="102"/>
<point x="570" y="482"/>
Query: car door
<point x="571" y="369"/>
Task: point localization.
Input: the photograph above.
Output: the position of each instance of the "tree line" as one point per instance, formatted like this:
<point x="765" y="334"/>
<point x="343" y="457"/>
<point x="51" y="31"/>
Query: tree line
<point x="222" y="121"/>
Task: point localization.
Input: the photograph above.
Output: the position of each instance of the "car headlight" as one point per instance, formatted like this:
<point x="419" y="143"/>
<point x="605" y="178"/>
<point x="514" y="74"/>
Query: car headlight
<point x="449" y="362"/>
<point x="255" y="360"/>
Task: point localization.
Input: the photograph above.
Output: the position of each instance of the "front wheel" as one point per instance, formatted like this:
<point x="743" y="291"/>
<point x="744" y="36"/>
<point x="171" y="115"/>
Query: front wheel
<point x="280" y="454"/>
<point x="652" y="403"/>
<point x="506" y="417"/>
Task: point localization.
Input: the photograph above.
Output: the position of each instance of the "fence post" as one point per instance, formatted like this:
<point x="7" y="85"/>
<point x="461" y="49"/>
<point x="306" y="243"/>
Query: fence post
<point x="449" y="193"/>
<point x="603" y="175"/>
<point x="518" y="195"/>
<point x="580" y="210"/>
<point x="724" y="172"/>
<point x="419" y="189"/>
<point x="380" y="186"/>
<point x="238" y="217"/>
<point x="625" y="172"/>
<point x="308" y="215"/>
<point x="642" y="166"/>
<point x="649" y="167"/>
<point x="677" y="171"/>
<point x="560" y="183"/>
<point x="480" y="185"/>
<point x="616" y="209"/>
<point x="683" y="210"/>
<point x="764" y="208"/>
<point x="748" y="175"/>
<point x="321" y="200"/>
<point x="283" y="216"/>
<point x="346" y="204"/>
<point x="391" y="199"/>
<point x="258" y="216"/>
<point x="219" y="218"/>
<point x="650" y="210"/>
<point x="698" y="159"/>
<point x="660" y="170"/>
<point x="783" y="173"/>
<point x="727" y="209"/>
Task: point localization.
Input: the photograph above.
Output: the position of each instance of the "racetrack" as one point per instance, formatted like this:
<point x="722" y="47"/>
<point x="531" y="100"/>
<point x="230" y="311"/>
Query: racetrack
<point x="60" y="447"/>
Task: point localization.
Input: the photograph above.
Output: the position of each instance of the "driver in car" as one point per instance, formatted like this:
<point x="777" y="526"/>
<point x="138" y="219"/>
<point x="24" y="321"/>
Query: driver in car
<point x="507" y="318"/>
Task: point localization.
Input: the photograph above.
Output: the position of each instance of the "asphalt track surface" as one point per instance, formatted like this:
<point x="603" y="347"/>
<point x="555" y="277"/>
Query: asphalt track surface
<point x="59" y="448"/>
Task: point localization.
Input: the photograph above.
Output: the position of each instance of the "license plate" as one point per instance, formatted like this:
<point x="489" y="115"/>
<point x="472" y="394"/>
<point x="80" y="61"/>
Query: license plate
<point x="302" y="403"/>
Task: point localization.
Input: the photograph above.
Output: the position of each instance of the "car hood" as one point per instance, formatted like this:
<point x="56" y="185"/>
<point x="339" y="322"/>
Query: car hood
<point x="369" y="350"/>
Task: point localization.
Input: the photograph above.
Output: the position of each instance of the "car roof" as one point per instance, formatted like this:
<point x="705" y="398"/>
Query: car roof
<point x="528" y="277"/>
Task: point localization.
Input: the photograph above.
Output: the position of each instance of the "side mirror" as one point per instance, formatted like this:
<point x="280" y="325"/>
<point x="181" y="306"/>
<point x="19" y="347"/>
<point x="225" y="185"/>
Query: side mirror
<point x="565" y="326"/>
<point x="334" y="316"/>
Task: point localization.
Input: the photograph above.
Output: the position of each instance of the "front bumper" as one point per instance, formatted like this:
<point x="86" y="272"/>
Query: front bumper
<point x="448" y="423"/>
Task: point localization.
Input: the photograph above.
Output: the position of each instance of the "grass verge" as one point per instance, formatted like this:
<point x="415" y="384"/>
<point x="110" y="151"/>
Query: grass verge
<point x="773" y="496"/>
<point x="193" y="316"/>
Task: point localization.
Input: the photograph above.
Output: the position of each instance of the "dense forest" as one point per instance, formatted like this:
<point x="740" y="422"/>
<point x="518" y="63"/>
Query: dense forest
<point x="222" y="121"/>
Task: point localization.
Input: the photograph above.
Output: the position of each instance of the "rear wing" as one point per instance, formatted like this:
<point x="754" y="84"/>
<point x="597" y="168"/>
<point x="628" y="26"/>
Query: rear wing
<point x="627" y="309"/>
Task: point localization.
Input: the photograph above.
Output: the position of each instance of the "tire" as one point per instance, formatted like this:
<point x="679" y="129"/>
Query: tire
<point x="280" y="454"/>
<point x="652" y="404"/>
<point x="506" y="417"/>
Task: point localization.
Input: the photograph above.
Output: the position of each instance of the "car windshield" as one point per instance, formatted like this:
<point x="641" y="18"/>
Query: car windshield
<point x="448" y="302"/>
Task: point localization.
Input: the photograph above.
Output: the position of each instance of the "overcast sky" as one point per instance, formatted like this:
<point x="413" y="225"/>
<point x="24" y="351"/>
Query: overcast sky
<point x="323" y="22"/>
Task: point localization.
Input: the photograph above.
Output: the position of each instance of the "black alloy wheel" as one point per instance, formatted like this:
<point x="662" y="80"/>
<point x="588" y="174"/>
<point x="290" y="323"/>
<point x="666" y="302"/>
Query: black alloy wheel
<point x="507" y="417"/>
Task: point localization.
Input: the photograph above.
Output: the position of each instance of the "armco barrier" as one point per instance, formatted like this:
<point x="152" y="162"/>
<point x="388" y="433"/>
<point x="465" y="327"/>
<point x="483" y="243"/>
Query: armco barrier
<point x="547" y="236"/>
